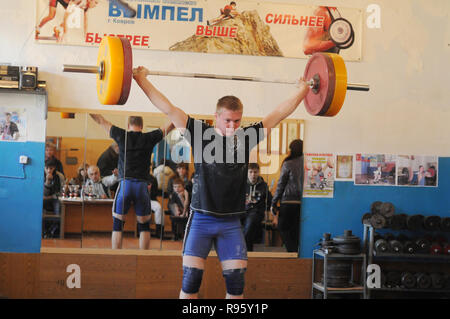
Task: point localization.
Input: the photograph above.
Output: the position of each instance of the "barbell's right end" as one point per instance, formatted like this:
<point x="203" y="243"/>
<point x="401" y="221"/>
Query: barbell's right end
<point x="358" y="87"/>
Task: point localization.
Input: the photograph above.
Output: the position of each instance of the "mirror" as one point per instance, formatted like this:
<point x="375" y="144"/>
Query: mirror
<point x="63" y="207"/>
<point x="87" y="222"/>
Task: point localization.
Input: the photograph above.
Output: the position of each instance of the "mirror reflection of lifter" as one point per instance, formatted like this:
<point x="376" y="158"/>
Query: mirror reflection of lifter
<point x="134" y="178"/>
<point x="336" y="33"/>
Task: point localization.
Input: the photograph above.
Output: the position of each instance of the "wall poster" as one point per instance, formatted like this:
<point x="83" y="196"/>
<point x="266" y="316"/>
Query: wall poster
<point x="319" y="175"/>
<point x="206" y="26"/>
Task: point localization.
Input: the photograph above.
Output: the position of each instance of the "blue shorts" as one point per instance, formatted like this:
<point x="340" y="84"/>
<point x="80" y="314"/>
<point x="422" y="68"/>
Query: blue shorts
<point x="225" y="232"/>
<point x="132" y="192"/>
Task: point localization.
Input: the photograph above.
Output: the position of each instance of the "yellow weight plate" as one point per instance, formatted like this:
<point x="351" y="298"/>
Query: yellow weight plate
<point x="109" y="87"/>
<point x="341" y="85"/>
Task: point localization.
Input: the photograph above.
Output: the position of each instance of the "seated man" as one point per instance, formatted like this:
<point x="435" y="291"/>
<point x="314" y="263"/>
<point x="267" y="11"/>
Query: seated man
<point x="52" y="187"/>
<point x="96" y="186"/>
<point x="179" y="207"/>
<point x="258" y="199"/>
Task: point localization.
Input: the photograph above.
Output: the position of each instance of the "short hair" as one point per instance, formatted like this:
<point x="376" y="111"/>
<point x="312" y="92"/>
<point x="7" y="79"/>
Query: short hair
<point x="177" y="181"/>
<point x="51" y="162"/>
<point x="253" y="166"/>
<point x="92" y="167"/>
<point x="229" y="102"/>
<point x="136" y="121"/>
<point x="183" y="165"/>
<point x="7" y="113"/>
<point x="232" y="2"/>
<point x="50" y="145"/>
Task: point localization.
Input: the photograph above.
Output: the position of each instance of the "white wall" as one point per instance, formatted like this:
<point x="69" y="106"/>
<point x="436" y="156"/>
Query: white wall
<point x="406" y="63"/>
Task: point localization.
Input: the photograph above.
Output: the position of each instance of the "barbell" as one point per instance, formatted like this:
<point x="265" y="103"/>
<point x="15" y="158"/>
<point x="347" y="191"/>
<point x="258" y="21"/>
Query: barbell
<point x="325" y="73"/>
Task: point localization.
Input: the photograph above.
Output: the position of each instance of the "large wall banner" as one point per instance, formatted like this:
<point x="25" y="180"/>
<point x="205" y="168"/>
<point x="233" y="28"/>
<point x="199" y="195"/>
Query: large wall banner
<point x="213" y="26"/>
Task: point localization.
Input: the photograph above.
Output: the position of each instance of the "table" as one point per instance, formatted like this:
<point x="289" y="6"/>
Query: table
<point x="93" y="215"/>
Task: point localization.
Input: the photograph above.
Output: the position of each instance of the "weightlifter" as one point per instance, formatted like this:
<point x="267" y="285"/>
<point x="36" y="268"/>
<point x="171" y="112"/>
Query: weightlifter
<point x="221" y="156"/>
<point x="134" y="177"/>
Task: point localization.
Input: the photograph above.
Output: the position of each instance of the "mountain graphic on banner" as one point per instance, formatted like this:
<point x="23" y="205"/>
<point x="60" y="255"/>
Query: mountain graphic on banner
<point x="245" y="34"/>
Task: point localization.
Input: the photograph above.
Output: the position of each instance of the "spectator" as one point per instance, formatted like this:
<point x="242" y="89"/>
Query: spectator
<point x="163" y="174"/>
<point x="179" y="207"/>
<point x="257" y="201"/>
<point x="81" y="177"/>
<point x="99" y="187"/>
<point x="52" y="188"/>
<point x="50" y="150"/>
<point x="289" y="193"/>
<point x="182" y="172"/>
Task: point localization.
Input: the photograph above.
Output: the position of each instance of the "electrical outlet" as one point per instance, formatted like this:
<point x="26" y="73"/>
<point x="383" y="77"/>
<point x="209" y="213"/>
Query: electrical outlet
<point x="23" y="159"/>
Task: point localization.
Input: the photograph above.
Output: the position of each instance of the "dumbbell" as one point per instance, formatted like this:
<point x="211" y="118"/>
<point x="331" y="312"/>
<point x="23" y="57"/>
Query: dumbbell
<point x="395" y="246"/>
<point x="423" y="280"/>
<point x="432" y="223"/>
<point x="409" y="247"/>
<point x="445" y="224"/>
<point x="393" y="279"/>
<point x="437" y="280"/>
<point x="436" y="248"/>
<point x="415" y="222"/>
<point x="423" y="245"/>
<point x="325" y="73"/>
<point x="398" y="221"/>
<point x="378" y="221"/>
<point x="408" y="280"/>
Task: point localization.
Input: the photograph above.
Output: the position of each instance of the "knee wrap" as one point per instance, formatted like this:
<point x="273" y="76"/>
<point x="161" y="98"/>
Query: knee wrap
<point x="118" y="224"/>
<point x="143" y="227"/>
<point x="234" y="280"/>
<point x="192" y="279"/>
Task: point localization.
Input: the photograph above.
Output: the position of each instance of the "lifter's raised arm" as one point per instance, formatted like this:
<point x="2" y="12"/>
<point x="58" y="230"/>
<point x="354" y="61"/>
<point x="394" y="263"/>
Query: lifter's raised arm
<point x="176" y="115"/>
<point x="285" y="108"/>
<point x="101" y="120"/>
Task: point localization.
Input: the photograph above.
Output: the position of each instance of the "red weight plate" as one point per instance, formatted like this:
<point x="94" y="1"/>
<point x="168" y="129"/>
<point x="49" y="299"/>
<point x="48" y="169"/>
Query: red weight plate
<point x="318" y="103"/>
<point x="127" y="70"/>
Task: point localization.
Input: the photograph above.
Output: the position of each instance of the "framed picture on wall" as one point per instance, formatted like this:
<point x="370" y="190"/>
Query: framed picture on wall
<point x="344" y="168"/>
<point x="375" y="169"/>
<point x="319" y="175"/>
<point x="417" y="170"/>
<point x="13" y="125"/>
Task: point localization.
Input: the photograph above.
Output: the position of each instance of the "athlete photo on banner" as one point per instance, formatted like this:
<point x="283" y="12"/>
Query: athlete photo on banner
<point x="235" y="27"/>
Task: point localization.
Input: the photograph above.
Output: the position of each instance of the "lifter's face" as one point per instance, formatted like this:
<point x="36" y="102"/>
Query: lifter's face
<point x="227" y="122"/>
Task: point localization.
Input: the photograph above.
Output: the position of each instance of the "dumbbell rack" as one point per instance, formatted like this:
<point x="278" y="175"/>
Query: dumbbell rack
<point x="323" y="287"/>
<point x="368" y="246"/>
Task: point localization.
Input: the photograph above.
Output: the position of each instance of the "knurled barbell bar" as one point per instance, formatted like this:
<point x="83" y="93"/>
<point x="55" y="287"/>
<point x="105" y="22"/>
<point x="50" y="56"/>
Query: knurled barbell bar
<point x="325" y="73"/>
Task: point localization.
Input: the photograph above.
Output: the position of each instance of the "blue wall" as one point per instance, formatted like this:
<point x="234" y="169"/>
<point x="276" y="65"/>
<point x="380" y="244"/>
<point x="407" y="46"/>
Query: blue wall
<point x="350" y="202"/>
<point x="21" y="199"/>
